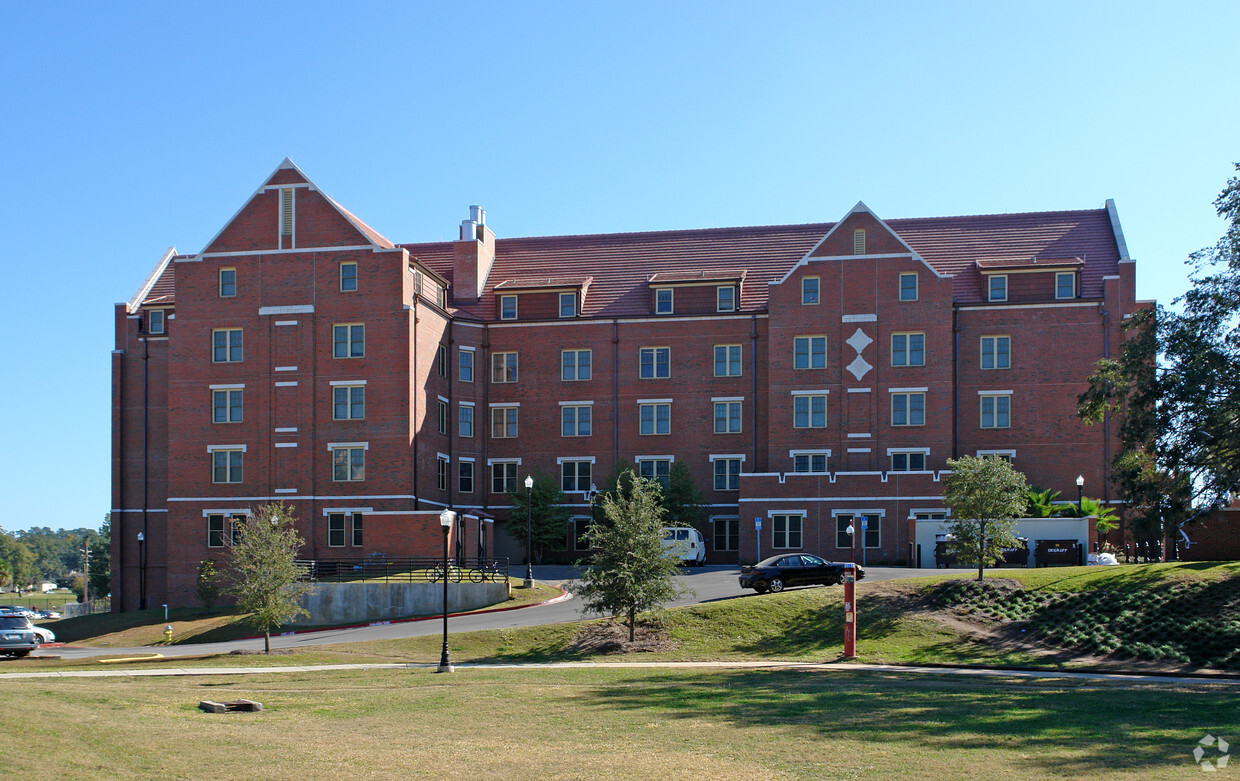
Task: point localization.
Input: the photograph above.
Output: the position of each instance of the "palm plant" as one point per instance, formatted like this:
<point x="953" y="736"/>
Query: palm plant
<point x="1039" y="503"/>
<point x="1106" y="517"/>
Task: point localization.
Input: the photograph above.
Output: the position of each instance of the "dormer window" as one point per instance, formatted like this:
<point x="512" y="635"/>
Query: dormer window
<point x="663" y="301"/>
<point x="725" y="299"/>
<point x="568" y="305"/>
<point x="1065" y="284"/>
<point x="155" y="321"/>
<point x="507" y="307"/>
<point x="996" y="287"/>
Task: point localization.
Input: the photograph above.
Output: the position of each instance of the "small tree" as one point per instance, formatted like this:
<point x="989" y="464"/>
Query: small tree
<point x="985" y="496"/>
<point x="549" y="518"/>
<point x="262" y="568"/>
<point x="631" y="572"/>
<point x="100" y="566"/>
<point x="208" y="583"/>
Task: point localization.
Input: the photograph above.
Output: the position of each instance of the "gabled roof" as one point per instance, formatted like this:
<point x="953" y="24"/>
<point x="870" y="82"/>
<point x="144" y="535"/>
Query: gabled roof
<point x="159" y="287"/>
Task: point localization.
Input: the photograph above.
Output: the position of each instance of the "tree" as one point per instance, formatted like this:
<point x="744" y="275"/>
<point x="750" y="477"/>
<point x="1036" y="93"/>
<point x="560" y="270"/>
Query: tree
<point x="1176" y="392"/>
<point x="19" y="558"/>
<point x="549" y="518"/>
<point x="208" y="583"/>
<point x="631" y="572"/>
<point x="682" y="499"/>
<point x="985" y="496"/>
<point x="100" y="573"/>
<point x="263" y="571"/>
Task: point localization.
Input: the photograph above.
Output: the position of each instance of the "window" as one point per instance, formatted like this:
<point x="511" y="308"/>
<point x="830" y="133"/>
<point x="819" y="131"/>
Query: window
<point x="663" y="301"/>
<point x="908" y="409"/>
<point x="226" y="465"/>
<point x="911" y="461"/>
<point x="465" y="477"/>
<point x="809" y="352"/>
<point x="465" y="365"/>
<point x="441" y="416"/>
<point x="655" y="469"/>
<point x="996" y="352"/>
<point x="809" y="411"/>
<point x="908" y="286"/>
<point x="1006" y="455"/>
<point x="349" y="340"/>
<point x="575" y="365"/>
<point x="226" y="345"/>
<point x="348" y="464"/>
<point x="727" y="417"/>
<point x="859" y="241"/>
<point x="228" y="282"/>
<point x="786" y="531"/>
<point x="227" y="406"/>
<point x="655" y="418"/>
<point x="503" y="422"/>
<point x="575" y="476"/>
<point x="811" y="463"/>
<point x="725" y="299"/>
<point x="348" y="402"/>
<point x="1065" y="284"/>
<point x="215" y="529"/>
<point x="996" y="287"/>
<point x="335" y="530"/>
<point x="155" y="321"/>
<point x="348" y="277"/>
<point x="441" y="360"/>
<point x="507" y="307"/>
<point x="908" y="349"/>
<point x="842" y="538"/>
<point x="417" y="282"/>
<point x="465" y="420"/>
<point x="504" y="367"/>
<point x="568" y="305"/>
<point x="580" y="541"/>
<point x="286" y="211"/>
<point x="727" y="360"/>
<point x="930" y="516"/>
<point x="575" y="420"/>
<point x="357" y="530"/>
<point x="996" y="411"/>
<point x="809" y="290"/>
<point x="654" y="363"/>
<point x="867" y="525"/>
<point x="727" y="474"/>
<point x="441" y="473"/>
<point x="503" y="477"/>
<point x="727" y="534"/>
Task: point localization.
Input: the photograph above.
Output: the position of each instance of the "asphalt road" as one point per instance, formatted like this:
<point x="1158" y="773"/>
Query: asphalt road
<point x="705" y="584"/>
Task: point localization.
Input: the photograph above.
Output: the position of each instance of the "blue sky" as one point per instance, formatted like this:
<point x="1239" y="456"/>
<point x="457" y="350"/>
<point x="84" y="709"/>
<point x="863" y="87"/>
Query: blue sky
<point x="128" y="128"/>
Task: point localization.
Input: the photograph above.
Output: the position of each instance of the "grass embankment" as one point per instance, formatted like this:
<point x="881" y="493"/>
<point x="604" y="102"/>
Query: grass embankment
<point x="606" y="723"/>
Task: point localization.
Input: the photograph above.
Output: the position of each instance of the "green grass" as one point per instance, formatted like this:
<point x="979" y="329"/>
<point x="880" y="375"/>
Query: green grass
<point x="572" y="724"/>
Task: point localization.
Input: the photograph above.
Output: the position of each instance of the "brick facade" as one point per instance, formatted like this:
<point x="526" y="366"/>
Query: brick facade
<point x="747" y="354"/>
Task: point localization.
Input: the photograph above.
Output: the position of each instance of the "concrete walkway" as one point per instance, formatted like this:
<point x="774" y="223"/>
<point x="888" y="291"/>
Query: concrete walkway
<point x="982" y="672"/>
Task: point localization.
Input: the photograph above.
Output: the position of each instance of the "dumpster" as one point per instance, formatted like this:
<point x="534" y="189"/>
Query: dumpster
<point x="943" y="559"/>
<point x="1017" y="556"/>
<point x="1057" y="553"/>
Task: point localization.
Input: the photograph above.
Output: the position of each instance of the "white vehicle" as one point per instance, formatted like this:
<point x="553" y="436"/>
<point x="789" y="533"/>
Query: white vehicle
<point x="686" y="544"/>
<point x="44" y="634"/>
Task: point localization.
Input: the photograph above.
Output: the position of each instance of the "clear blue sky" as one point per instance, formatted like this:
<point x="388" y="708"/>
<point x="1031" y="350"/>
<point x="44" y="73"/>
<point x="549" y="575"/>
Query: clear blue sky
<point x="128" y="128"/>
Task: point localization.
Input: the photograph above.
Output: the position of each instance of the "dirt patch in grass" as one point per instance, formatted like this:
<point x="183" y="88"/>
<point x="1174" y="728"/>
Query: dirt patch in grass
<point x="612" y="637"/>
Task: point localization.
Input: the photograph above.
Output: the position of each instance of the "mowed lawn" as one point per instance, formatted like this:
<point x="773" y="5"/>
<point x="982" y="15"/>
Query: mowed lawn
<point x="607" y="723"/>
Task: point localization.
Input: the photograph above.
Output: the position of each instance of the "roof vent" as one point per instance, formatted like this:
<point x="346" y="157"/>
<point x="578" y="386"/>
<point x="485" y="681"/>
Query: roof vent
<point x="478" y="214"/>
<point x="469" y="230"/>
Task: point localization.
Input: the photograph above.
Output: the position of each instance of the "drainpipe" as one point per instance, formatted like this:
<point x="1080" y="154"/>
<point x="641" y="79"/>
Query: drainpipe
<point x="955" y="382"/>
<point x="753" y="370"/>
<point x="615" y="393"/>
<point x="1106" y="418"/>
<point x="146" y="350"/>
<point x="417" y="500"/>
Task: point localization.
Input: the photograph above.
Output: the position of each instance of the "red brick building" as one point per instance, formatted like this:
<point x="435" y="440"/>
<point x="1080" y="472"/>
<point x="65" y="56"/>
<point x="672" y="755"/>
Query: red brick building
<point x="808" y="375"/>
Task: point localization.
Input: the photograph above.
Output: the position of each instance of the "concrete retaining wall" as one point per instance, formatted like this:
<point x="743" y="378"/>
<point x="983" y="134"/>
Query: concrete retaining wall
<point x="351" y="603"/>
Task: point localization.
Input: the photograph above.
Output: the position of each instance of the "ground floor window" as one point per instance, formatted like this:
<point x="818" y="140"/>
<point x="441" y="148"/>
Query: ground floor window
<point x="216" y="523"/>
<point x="786" y="531"/>
<point x="727" y="534"/>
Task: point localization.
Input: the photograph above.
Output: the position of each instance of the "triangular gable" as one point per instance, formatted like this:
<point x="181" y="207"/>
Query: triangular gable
<point x="880" y="240"/>
<point x="134" y="303"/>
<point x="319" y="220"/>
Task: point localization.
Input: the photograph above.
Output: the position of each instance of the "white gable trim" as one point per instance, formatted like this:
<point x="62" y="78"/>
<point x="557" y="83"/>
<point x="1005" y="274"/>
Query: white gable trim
<point x="136" y="302"/>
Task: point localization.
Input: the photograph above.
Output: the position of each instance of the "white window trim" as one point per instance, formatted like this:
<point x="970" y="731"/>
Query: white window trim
<point x="908" y="390"/>
<point x="444" y="456"/>
<point x="1059" y="274"/>
<point x="655" y="401"/>
<point x="239" y="386"/>
<point x="1009" y="453"/>
<point x="246" y="511"/>
<point x="336" y="445"/>
<point x="727" y="398"/>
<point x="576" y="403"/>
<point x="727" y="457"/>
<point x="468" y="403"/>
<point x="821" y="452"/>
<point x="504" y="404"/>
<point x="875" y="511"/>
<point x="350" y="382"/>
<point x="994" y="393"/>
<point x="668" y="458"/>
<point x="562" y="459"/>
<point x="923" y="450"/>
<point x="822" y="392"/>
<point x="773" y="513"/>
<point x="213" y="448"/>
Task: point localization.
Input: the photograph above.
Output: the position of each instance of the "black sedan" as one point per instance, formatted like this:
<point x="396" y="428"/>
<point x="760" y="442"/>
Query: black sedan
<point x="794" y="569"/>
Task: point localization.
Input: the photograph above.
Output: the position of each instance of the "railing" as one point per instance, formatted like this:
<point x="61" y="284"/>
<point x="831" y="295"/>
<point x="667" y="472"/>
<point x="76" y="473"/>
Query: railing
<point x="76" y="609"/>
<point x="388" y="569"/>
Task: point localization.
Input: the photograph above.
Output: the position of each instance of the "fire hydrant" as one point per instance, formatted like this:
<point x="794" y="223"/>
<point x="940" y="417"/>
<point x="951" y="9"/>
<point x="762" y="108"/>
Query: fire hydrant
<point x="168" y="634"/>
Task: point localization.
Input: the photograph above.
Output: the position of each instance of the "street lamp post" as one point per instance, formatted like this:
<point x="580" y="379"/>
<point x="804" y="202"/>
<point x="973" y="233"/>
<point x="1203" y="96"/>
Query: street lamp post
<point x="141" y="571"/>
<point x="1080" y="493"/>
<point x="529" y="534"/>
<point x="446" y="518"/>
<point x="850" y="599"/>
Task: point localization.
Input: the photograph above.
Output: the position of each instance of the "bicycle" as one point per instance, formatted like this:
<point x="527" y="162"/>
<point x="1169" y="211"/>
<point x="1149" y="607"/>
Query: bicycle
<point x="483" y="572"/>
<point x="436" y="573"/>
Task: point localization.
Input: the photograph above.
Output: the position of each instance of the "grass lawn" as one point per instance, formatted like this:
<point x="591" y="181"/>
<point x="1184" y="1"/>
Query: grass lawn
<point x="613" y="723"/>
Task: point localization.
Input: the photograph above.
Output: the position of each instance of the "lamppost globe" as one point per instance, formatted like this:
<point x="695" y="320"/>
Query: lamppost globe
<point x="446" y="519"/>
<point x="141" y="571"/>
<point x="529" y="535"/>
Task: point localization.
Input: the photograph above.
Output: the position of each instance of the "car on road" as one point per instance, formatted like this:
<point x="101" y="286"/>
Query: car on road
<point x="685" y="544"/>
<point x="45" y="635"/>
<point x="16" y="610"/>
<point x="776" y="573"/>
<point x="17" y="635"/>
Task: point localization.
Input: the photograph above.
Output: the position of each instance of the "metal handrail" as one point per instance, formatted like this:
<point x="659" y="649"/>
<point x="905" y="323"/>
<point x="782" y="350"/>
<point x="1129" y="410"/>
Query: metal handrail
<point x="392" y="569"/>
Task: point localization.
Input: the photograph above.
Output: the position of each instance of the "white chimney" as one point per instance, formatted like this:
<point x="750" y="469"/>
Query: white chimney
<point x="477" y="214"/>
<point x="469" y="230"/>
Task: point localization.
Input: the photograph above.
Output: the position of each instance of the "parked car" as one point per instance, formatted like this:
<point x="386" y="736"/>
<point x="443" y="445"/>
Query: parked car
<point x="17" y="635"/>
<point x="16" y="610"/>
<point x="45" y="635"/>
<point x="776" y="573"/>
<point x="46" y="614"/>
<point x="686" y="544"/>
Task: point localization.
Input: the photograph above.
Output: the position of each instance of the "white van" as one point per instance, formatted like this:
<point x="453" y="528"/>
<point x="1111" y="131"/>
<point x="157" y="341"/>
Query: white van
<point x="686" y="544"/>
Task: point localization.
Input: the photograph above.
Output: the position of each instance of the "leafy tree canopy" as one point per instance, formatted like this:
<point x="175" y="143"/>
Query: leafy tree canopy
<point x="263" y="571"/>
<point x="985" y="495"/>
<point x="548" y="515"/>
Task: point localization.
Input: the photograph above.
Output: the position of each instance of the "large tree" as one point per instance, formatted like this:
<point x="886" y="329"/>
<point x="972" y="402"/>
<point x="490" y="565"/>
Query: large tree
<point x="263" y="572"/>
<point x="985" y="495"/>
<point x="631" y="572"/>
<point x="545" y="510"/>
<point x="682" y="499"/>
<point x="1175" y="388"/>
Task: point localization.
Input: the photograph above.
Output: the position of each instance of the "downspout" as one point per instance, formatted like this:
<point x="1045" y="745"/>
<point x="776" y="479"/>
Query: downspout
<point x="615" y="393"/>
<point x="119" y="525"/>
<point x="955" y="381"/>
<point x="417" y="500"/>
<point x="1106" y="418"/>
<point x="482" y="374"/>
<point x="146" y="350"/>
<point x="753" y="370"/>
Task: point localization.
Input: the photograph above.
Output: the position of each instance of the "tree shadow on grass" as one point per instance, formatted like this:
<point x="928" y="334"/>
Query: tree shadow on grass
<point x="1073" y="728"/>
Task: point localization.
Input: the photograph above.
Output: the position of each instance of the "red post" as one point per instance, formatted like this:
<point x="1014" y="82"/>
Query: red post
<point x="850" y="600"/>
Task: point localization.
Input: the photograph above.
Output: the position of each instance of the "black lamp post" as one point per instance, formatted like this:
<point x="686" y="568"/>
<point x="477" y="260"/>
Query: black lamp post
<point x="446" y="518"/>
<point x="529" y="534"/>
<point x="141" y="571"/>
<point x="1080" y="493"/>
